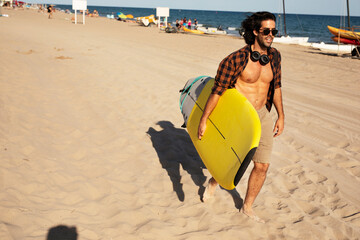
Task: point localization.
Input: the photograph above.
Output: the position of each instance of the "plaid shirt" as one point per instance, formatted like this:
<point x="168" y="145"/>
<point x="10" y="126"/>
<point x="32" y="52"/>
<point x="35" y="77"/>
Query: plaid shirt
<point x="231" y="67"/>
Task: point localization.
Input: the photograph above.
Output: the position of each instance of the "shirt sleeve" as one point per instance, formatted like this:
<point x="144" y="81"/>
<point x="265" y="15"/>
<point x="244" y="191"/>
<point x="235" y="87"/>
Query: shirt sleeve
<point x="224" y="76"/>
<point x="277" y="83"/>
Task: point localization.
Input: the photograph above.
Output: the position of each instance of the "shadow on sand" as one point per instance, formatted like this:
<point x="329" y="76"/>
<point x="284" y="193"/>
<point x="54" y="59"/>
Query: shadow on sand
<point x="62" y="232"/>
<point x="342" y="55"/>
<point x="174" y="148"/>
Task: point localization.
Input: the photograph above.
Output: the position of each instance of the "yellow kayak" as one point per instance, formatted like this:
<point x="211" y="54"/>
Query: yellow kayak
<point x="344" y="33"/>
<point x="193" y="31"/>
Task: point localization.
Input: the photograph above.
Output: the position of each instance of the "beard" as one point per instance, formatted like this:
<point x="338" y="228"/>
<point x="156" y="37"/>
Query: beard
<point x="262" y="42"/>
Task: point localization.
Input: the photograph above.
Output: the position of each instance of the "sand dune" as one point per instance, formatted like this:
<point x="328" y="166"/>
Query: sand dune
<point x="91" y="143"/>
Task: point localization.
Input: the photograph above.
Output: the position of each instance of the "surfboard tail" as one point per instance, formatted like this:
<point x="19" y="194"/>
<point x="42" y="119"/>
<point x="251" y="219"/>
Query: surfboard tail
<point x="244" y="166"/>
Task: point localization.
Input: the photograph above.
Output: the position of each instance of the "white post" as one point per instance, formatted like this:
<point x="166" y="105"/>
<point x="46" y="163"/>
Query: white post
<point x="80" y="5"/>
<point x="162" y="12"/>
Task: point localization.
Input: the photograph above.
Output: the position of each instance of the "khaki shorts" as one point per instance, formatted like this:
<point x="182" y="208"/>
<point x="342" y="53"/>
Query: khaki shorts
<point x="263" y="152"/>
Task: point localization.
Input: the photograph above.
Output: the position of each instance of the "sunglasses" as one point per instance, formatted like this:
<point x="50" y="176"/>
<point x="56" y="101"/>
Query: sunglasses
<point x="267" y="31"/>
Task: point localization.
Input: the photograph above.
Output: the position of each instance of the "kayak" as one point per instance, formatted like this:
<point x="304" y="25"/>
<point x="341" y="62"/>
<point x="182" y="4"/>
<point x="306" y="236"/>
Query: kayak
<point x="344" y="33"/>
<point x="193" y="31"/>
<point x="346" y="41"/>
<point x="212" y="30"/>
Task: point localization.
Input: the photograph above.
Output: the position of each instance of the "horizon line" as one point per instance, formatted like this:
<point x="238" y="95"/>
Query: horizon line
<point x="320" y="14"/>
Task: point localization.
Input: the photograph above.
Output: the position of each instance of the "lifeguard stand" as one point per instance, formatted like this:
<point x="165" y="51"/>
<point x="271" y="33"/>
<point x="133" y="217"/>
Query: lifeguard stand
<point x="79" y="5"/>
<point x="162" y="12"/>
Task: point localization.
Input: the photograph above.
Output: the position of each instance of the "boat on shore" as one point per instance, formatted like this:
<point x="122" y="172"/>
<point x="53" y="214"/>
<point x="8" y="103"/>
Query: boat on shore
<point x="333" y="47"/>
<point x="346" y="41"/>
<point x="194" y="31"/>
<point x="147" y="21"/>
<point x="344" y="33"/>
<point x="212" y="30"/>
<point x="286" y="39"/>
<point x="291" y="40"/>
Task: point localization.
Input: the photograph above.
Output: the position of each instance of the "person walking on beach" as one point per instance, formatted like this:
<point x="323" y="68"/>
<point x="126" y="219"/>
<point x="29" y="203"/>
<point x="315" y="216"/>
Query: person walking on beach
<point x="50" y="10"/>
<point x="255" y="71"/>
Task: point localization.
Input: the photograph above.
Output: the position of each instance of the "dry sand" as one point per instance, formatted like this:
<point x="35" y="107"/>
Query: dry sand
<point x="90" y="137"/>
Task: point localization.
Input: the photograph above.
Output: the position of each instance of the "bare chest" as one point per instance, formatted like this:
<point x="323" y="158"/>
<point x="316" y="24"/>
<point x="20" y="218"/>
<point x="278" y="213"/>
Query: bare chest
<point x="254" y="72"/>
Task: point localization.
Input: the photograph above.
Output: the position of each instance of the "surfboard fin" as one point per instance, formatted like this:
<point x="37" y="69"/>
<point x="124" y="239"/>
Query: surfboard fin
<point x="244" y="166"/>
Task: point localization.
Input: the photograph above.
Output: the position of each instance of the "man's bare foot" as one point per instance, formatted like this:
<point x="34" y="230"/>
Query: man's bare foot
<point x="251" y="214"/>
<point x="209" y="191"/>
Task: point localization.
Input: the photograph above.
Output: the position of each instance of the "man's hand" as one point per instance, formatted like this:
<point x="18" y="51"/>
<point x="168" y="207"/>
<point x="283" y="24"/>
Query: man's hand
<point x="201" y="129"/>
<point x="279" y="127"/>
<point x="209" y="107"/>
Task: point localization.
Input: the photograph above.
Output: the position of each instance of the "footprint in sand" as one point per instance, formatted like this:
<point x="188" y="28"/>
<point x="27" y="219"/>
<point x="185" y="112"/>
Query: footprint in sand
<point x="26" y="53"/>
<point x="63" y="58"/>
<point x="355" y="171"/>
<point x="298" y="219"/>
<point x="316" y="197"/>
<point x="304" y="180"/>
<point x="281" y="206"/>
<point x="58" y="49"/>
<point x="347" y="212"/>
<point x="310" y="209"/>
<point x="342" y="144"/>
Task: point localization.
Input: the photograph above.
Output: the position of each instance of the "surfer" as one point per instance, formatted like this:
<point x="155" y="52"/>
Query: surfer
<point x="255" y="71"/>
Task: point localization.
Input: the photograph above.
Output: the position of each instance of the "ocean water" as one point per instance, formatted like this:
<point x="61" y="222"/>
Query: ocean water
<point x="297" y="25"/>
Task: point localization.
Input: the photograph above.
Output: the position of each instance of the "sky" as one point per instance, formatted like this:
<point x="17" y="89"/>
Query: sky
<point x="321" y="7"/>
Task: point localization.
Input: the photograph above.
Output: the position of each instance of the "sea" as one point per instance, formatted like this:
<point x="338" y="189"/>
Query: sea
<point x="297" y="25"/>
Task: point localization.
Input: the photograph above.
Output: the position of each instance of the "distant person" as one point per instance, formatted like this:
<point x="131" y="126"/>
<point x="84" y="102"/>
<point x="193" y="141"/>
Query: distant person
<point x="184" y="22"/>
<point x="195" y="23"/>
<point x="50" y="10"/>
<point x="177" y="24"/>
<point x="95" y="13"/>
<point x="255" y="71"/>
<point x="181" y="23"/>
<point x="189" y="24"/>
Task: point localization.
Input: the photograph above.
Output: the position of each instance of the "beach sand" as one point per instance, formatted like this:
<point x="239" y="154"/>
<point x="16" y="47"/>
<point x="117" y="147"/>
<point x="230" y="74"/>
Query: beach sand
<point x="91" y="143"/>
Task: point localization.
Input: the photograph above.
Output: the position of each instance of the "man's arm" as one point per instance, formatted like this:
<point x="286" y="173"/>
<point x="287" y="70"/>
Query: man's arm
<point x="209" y="107"/>
<point x="279" y="125"/>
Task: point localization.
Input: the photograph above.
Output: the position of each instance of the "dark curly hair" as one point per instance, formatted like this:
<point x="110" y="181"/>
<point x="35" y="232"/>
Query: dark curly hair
<point x="252" y="23"/>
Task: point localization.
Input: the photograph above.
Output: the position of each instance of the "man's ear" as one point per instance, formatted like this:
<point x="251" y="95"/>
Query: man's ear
<point x="255" y="32"/>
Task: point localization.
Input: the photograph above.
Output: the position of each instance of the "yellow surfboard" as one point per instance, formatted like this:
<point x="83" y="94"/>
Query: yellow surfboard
<point x="232" y="134"/>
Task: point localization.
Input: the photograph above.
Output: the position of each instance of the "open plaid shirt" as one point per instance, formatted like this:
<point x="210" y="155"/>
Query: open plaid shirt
<point x="231" y="67"/>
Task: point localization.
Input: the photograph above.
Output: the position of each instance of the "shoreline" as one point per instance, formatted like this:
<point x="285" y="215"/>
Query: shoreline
<point x="326" y="47"/>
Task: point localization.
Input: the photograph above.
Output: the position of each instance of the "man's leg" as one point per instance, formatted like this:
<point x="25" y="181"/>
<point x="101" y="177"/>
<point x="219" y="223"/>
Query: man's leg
<point x="256" y="181"/>
<point x="210" y="189"/>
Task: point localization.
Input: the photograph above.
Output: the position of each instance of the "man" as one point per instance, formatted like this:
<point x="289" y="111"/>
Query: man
<point x="255" y="71"/>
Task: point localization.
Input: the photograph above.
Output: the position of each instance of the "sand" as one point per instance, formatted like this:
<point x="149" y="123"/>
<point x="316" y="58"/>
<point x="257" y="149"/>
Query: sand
<point x="91" y="143"/>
